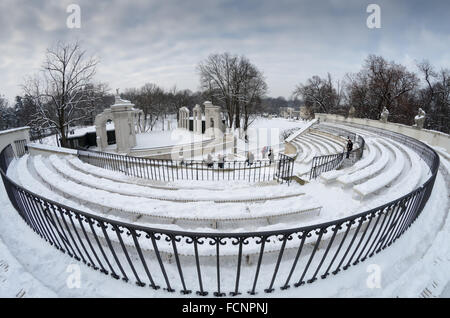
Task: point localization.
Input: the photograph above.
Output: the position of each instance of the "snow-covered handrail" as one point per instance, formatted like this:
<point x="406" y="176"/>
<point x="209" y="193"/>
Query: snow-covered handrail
<point x="301" y="130"/>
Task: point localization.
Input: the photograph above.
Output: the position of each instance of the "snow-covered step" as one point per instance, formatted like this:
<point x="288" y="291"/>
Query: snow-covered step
<point x="417" y="169"/>
<point x="303" y="151"/>
<point x="315" y="149"/>
<point x="335" y="146"/>
<point x="309" y="153"/>
<point x="30" y="183"/>
<point x="385" y="178"/>
<point x="334" y="138"/>
<point x="298" y="148"/>
<point x="322" y="149"/>
<point x="159" y="210"/>
<point x="183" y="195"/>
<point x="371" y="151"/>
<point x="370" y="170"/>
<point x="187" y="184"/>
<point x="330" y="147"/>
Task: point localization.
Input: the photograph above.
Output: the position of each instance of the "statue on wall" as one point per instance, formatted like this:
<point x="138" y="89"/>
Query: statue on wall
<point x="420" y="119"/>
<point x="351" y="112"/>
<point x="384" y="115"/>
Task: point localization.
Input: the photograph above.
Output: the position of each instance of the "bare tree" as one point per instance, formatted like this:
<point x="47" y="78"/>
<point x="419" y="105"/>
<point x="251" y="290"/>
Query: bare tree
<point x="62" y="90"/>
<point x="435" y="97"/>
<point x="319" y="94"/>
<point x="254" y="88"/>
<point x="231" y="80"/>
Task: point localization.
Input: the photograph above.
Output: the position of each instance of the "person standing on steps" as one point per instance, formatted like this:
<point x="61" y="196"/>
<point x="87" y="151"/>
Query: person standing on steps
<point x="349" y="147"/>
<point x="209" y="161"/>
<point x="250" y="158"/>
<point x="221" y="161"/>
<point x="271" y="156"/>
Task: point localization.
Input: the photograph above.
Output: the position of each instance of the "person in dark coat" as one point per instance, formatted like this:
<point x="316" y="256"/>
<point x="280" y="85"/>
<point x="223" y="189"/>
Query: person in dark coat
<point x="209" y="161"/>
<point x="349" y="147"/>
<point x="221" y="161"/>
<point x="250" y="158"/>
<point x="271" y="156"/>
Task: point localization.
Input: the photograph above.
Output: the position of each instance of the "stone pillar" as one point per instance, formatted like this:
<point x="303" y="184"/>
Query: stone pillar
<point x="183" y="118"/>
<point x="102" y="138"/>
<point x="213" y="119"/>
<point x="197" y="115"/>
<point x="124" y="125"/>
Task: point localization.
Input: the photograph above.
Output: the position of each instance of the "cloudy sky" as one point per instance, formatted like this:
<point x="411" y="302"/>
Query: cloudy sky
<point x="163" y="41"/>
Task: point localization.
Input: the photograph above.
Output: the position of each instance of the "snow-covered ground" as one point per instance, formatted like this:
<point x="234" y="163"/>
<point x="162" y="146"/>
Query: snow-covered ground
<point x="29" y="267"/>
<point x="415" y="265"/>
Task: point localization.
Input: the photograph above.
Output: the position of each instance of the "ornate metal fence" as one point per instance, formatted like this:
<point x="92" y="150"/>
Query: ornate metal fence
<point x="21" y="147"/>
<point x="171" y="170"/>
<point x="218" y="262"/>
<point x="322" y="164"/>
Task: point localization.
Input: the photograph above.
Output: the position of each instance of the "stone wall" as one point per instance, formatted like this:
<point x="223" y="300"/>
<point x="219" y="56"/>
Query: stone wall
<point x="11" y="135"/>
<point x="431" y="137"/>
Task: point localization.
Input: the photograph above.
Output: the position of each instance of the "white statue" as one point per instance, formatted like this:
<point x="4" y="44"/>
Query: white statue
<point x="420" y="119"/>
<point x="384" y="115"/>
<point x="351" y="112"/>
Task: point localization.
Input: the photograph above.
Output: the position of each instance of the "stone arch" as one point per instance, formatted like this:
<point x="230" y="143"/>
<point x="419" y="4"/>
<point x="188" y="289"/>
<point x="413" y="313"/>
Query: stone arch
<point x="124" y="117"/>
<point x="100" y="127"/>
<point x="183" y="118"/>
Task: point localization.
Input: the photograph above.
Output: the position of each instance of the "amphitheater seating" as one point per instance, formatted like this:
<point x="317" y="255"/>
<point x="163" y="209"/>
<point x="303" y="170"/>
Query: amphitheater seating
<point x="415" y="173"/>
<point x="62" y="165"/>
<point x="335" y="145"/>
<point x="321" y="150"/>
<point x="371" y="151"/>
<point x="386" y="177"/>
<point x="376" y="167"/>
<point x="386" y="165"/>
<point x="57" y="178"/>
<point x="312" y="143"/>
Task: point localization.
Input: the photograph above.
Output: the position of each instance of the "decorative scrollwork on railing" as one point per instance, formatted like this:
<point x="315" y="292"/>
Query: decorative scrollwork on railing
<point x="179" y="260"/>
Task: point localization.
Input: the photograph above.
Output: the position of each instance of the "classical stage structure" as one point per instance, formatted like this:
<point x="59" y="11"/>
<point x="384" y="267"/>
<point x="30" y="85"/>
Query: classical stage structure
<point x="125" y="117"/>
<point x="212" y="120"/>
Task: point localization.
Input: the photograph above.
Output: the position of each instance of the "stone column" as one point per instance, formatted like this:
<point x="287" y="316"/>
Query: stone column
<point x="197" y="119"/>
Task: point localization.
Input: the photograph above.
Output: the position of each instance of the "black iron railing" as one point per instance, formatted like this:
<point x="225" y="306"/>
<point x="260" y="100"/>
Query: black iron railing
<point x="326" y="163"/>
<point x="219" y="262"/>
<point x="21" y="147"/>
<point x="171" y="170"/>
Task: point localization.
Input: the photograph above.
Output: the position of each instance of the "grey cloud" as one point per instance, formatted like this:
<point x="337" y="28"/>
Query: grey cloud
<point x="162" y="41"/>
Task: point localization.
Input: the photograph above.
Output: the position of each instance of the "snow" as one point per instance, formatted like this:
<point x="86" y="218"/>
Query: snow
<point x="370" y="170"/>
<point x="300" y="131"/>
<point x="166" y="209"/>
<point x="54" y="148"/>
<point x="384" y="178"/>
<point x="155" y="139"/>
<point x="400" y="264"/>
<point x="417" y="261"/>
<point x="369" y="156"/>
<point x="265" y="193"/>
